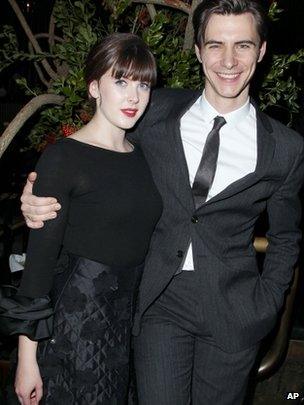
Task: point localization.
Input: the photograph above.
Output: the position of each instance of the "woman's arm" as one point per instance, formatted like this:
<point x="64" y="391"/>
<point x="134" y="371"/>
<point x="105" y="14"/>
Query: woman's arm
<point x="28" y="311"/>
<point x="28" y="382"/>
<point x="57" y="172"/>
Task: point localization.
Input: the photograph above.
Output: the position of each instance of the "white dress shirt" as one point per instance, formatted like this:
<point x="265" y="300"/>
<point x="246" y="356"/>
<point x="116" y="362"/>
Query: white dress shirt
<point x="237" y="151"/>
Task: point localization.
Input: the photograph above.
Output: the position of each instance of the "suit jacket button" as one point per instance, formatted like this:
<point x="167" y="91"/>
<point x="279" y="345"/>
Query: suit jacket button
<point x="180" y="253"/>
<point x="194" y="219"/>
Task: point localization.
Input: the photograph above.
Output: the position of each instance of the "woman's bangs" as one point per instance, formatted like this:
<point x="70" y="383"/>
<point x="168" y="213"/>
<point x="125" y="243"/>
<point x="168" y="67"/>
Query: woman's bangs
<point x="143" y="69"/>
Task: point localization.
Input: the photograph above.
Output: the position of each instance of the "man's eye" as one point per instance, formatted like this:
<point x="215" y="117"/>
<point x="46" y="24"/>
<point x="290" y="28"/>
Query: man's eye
<point x="243" y="46"/>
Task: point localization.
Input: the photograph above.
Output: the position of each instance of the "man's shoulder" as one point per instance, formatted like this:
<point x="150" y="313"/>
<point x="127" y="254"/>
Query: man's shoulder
<point x="172" y="93"/>
<point x="285" y="137"/>
<point x="170" y="96"/>
<point x="165" y="100"/>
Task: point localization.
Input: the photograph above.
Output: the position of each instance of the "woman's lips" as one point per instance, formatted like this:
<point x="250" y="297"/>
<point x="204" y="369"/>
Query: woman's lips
<point x="129" y="112"/>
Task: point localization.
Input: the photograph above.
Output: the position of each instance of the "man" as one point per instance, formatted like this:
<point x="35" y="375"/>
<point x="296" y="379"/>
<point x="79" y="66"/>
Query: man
<point x="219" y="163"/>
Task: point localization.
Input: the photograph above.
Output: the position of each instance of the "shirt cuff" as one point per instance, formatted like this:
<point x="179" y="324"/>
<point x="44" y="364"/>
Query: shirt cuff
<point x="21" y="315"/>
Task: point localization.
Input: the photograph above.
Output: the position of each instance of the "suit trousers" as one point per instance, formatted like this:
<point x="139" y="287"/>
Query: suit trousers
<point x="177" y="361"/>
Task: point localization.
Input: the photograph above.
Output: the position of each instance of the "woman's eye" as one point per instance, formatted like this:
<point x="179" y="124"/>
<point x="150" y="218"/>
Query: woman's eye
<point x="121" y="82"/>
<point x="145" y="86"/>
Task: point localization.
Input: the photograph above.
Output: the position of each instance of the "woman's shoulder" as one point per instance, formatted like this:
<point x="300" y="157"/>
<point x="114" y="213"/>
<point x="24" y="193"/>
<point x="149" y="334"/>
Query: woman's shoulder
<point x="59" y="154"/>
<point x="61" y="148"/>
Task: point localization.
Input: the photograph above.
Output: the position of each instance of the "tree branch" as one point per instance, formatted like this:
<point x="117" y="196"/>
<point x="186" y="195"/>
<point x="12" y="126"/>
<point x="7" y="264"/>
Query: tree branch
<point x="189" y="32"/>
<point x="46" y="35"/>
<point x="177" y="4"/>
<point x="37" y="67"/>
<point x="52" y="32"/>
<point x="32" y="38"/>
<point x="24" y="114"/>
<point x="151" y="10"/>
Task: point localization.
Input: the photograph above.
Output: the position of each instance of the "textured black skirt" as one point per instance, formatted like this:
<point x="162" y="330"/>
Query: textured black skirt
<point x="86" y="362"/>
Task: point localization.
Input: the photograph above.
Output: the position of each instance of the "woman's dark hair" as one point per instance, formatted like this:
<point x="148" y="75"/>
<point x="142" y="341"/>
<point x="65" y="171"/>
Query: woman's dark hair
<point x="207" y="8"/>
<point x="126" y="54"/>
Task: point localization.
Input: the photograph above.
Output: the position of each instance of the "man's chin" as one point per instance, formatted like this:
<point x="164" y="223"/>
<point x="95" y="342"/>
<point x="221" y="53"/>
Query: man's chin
<point x="231" y="93"/>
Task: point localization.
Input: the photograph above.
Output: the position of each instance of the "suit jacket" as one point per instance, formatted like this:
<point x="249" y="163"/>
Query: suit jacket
<point x="240" y="305"/>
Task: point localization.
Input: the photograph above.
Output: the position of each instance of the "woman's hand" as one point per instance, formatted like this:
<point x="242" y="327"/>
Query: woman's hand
<point x="28" y="383"/>
<point x="36" y="210"/>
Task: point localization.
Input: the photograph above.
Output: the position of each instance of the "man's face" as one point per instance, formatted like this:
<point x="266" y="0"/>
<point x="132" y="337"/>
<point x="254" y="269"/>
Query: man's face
<point x="229" y="54"/>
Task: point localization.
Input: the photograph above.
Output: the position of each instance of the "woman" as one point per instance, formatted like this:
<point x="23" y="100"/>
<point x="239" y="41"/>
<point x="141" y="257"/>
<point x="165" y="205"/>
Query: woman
<point x="109" y="209"/>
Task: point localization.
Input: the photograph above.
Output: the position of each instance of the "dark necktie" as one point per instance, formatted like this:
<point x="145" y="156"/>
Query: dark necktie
<point x="207" y="167"/>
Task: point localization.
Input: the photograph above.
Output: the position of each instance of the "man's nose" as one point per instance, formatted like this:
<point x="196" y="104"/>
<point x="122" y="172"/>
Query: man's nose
<point x="229" y="59"/>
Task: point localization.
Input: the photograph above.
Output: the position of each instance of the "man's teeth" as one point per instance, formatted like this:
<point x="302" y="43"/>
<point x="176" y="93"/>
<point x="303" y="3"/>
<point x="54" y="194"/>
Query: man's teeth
<point x="228" y="75"/>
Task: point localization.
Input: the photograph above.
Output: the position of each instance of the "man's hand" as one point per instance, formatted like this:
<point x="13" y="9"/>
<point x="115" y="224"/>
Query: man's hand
<point x="36" y="210"/>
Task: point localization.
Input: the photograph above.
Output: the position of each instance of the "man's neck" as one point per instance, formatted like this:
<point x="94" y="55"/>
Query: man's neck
<point x="225" y="105"/>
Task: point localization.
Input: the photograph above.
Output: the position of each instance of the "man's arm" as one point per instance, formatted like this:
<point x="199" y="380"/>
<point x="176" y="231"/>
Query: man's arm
<point x="284" y="234"/>
<point x="36" y="210"/>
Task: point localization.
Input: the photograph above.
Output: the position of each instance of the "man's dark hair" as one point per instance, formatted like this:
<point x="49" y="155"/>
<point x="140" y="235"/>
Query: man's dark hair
<point x="207" y="8"/>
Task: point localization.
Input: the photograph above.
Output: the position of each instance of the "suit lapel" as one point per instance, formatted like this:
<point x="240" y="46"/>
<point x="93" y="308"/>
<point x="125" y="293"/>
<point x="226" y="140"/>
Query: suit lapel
<point x="180" y="167"/>
<point x="265" y="152"/>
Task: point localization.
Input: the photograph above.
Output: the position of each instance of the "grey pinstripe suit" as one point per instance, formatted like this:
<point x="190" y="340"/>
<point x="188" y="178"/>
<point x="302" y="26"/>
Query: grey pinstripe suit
<point x="240" y="305"/>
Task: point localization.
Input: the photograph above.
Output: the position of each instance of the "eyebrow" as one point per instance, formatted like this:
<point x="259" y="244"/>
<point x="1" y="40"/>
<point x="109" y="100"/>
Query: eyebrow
<point x="245" y="41"/>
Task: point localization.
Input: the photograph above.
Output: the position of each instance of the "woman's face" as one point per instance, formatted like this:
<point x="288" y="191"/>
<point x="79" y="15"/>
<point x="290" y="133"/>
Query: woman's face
<point x="121" y="102"/>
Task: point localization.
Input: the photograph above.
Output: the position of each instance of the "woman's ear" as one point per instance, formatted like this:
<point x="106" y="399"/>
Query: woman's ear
<point x="94" y="89"/>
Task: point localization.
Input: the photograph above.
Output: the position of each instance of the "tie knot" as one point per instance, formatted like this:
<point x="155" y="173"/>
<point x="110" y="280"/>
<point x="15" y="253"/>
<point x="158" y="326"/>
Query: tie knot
<point x="218" y="123"/>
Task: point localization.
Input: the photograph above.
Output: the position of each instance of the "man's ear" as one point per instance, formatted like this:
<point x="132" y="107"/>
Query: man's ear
<point x="94" y="89"/>
<point x="262" y="51"/>
<point x="198" y="53"/>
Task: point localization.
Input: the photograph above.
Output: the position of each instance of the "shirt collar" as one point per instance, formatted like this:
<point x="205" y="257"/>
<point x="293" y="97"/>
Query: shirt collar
<point x="233" y="118"/>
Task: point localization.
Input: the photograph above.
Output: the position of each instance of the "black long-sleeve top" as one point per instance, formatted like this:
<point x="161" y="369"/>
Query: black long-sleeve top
<point x="110" y="206"/>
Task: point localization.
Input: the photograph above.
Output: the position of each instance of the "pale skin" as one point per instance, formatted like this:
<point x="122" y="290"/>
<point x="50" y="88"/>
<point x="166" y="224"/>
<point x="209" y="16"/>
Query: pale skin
<point x="119" y="104"/>
<point x="229" y="54"/>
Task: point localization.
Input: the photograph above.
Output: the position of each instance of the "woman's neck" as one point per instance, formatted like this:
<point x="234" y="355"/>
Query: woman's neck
<point x="100" y="134"/>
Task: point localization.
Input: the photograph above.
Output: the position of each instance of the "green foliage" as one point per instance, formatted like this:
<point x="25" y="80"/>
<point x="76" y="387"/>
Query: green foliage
<point x="279" y="88"/>
<point x="79" y="26"/>
<point x="177" y="68"/>
<point x="274" y="11"/>
<point x="9" y="45"/>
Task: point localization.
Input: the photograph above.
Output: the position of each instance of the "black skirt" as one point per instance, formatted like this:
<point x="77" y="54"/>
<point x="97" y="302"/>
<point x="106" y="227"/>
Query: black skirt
<point x="87" y="359"/>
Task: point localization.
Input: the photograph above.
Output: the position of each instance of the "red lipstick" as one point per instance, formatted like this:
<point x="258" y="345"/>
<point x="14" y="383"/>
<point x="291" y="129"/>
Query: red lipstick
<point x="129" y="112"/>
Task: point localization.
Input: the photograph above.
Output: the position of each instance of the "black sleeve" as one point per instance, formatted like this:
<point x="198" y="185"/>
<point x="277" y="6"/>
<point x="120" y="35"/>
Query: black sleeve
<point x="28" y="311"/>
<point x="54" y="180"/>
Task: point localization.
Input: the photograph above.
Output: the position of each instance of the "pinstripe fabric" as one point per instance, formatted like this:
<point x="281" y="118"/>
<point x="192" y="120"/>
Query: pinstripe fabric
<point x="241" y="306"/>
<point x="176" y="358"/>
